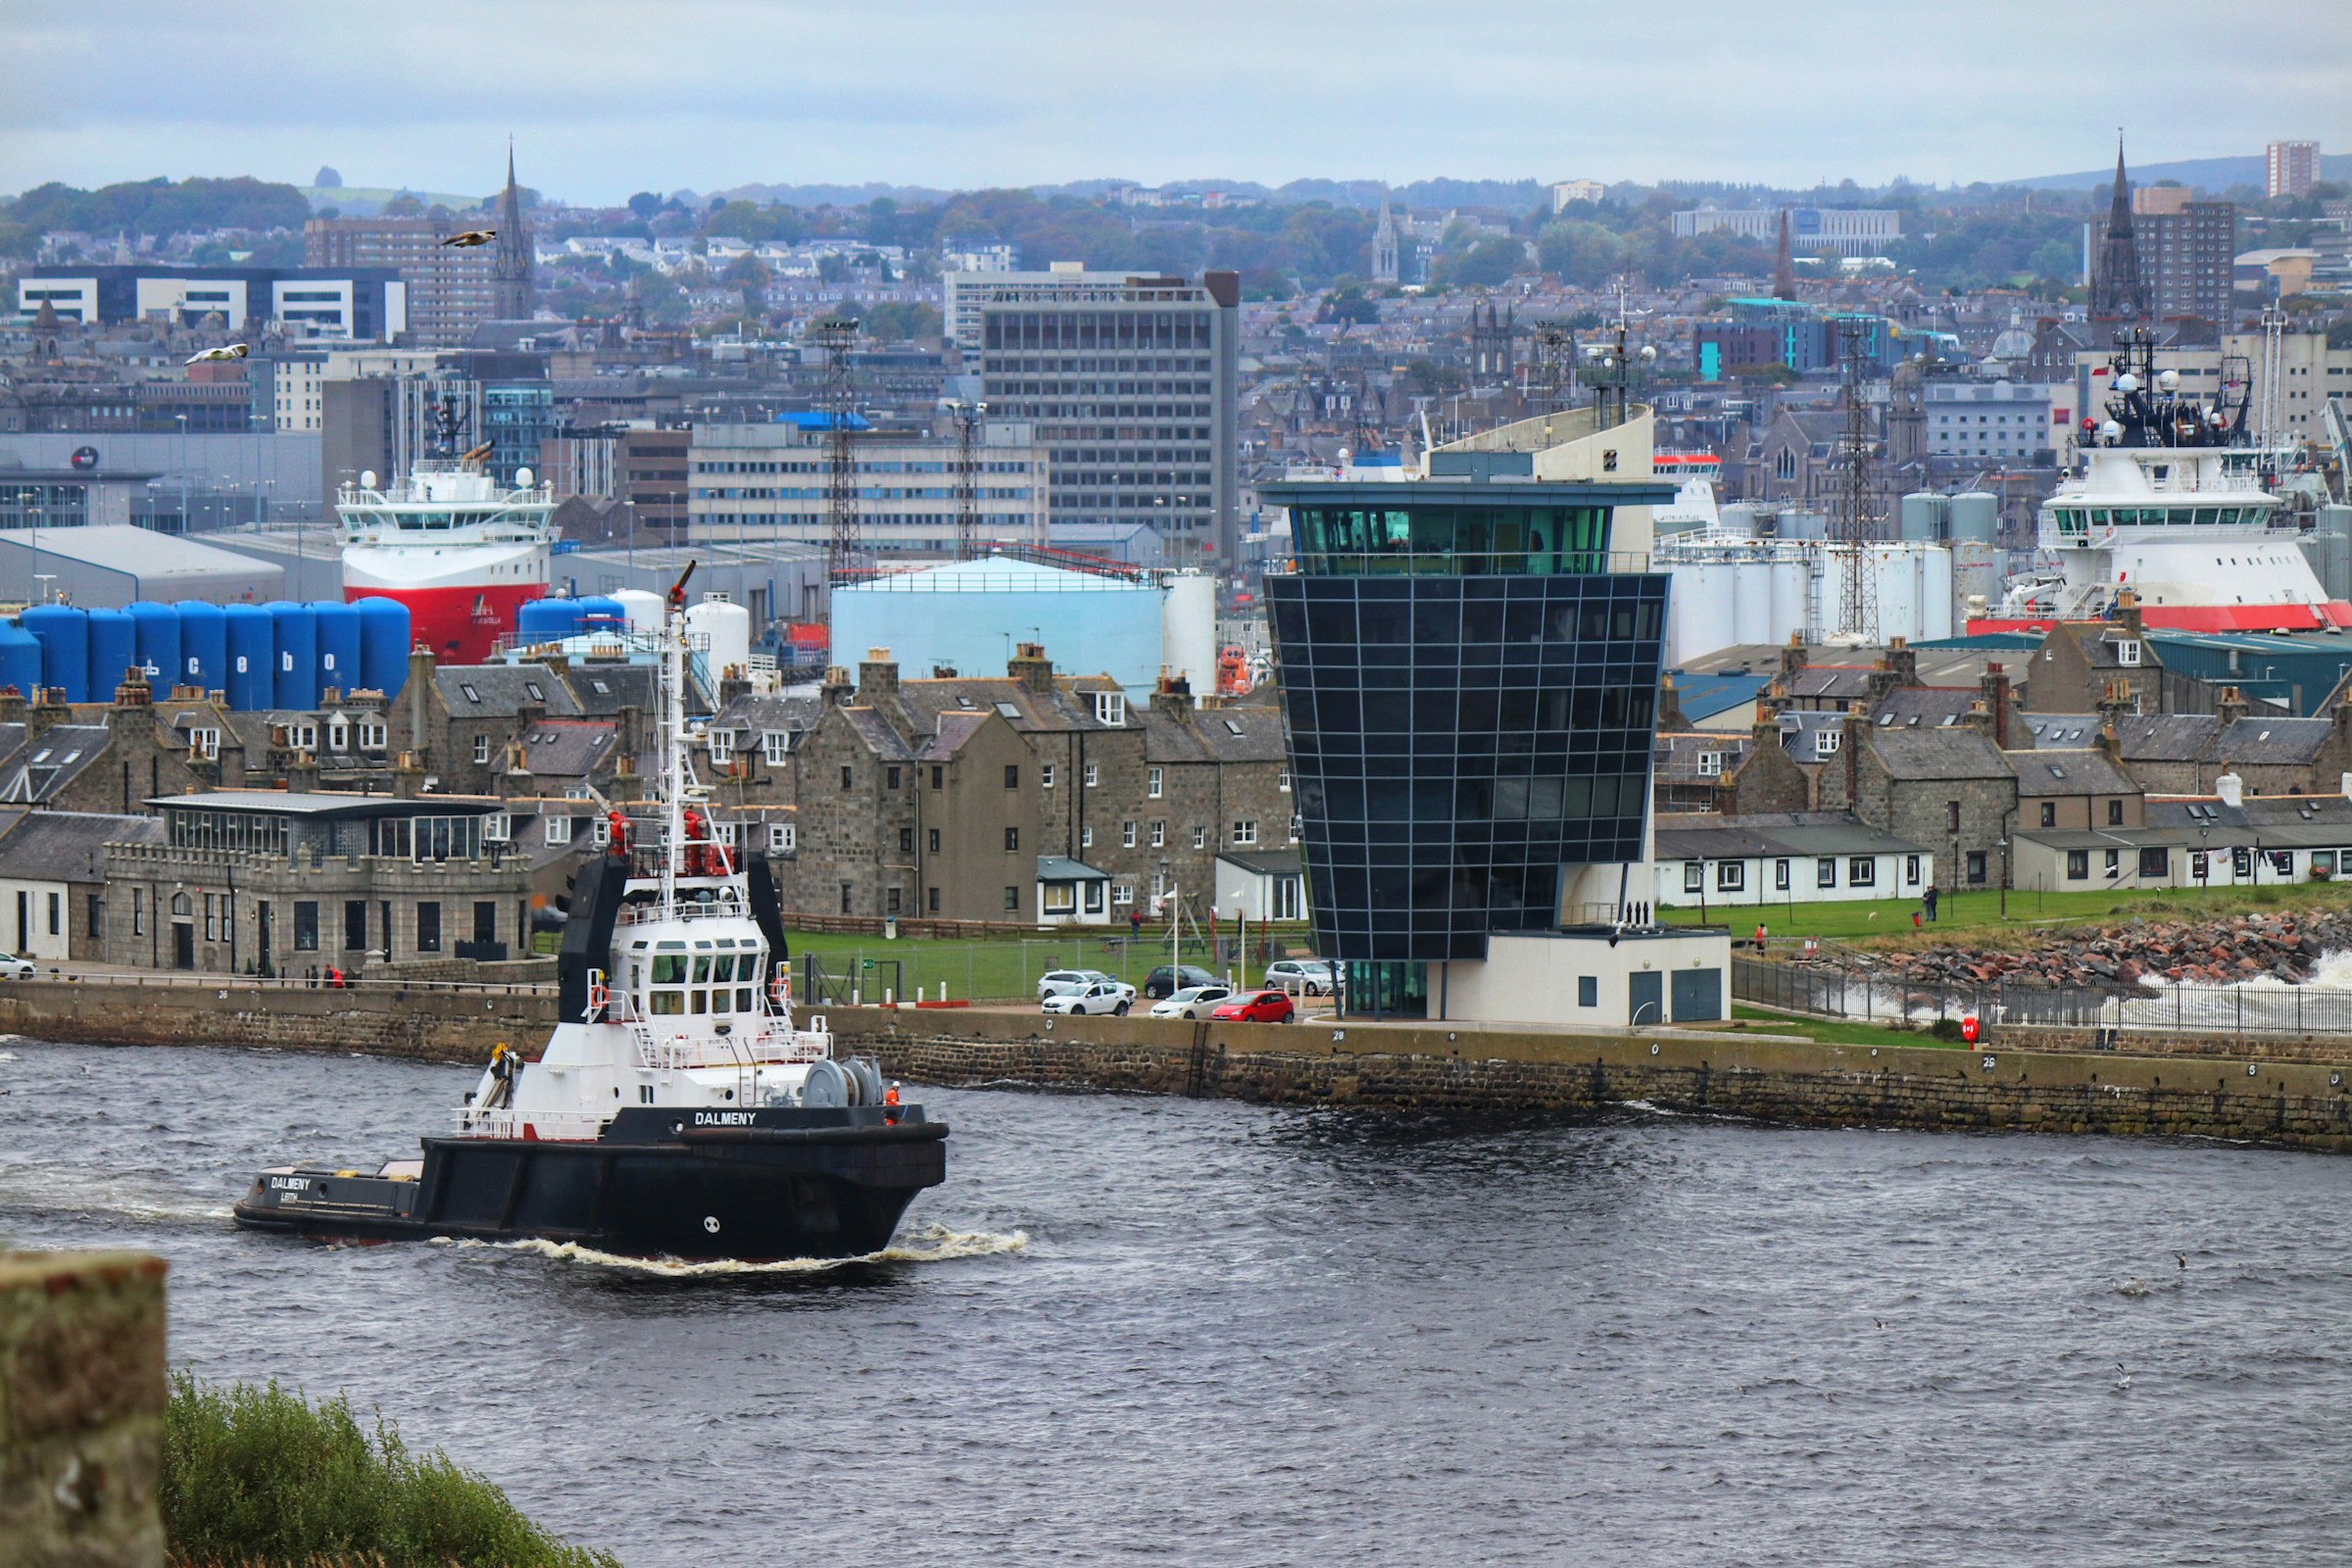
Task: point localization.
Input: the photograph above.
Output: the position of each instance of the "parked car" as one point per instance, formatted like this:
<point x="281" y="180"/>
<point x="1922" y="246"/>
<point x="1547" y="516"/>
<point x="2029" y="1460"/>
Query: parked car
<point x="1103" y="996"/>
<point x="1058" y="981"/>
<point x="1170" y="978"/>
<point x="1258" y="1007"/>
<point x="1193" y="1002"/>
<point x="13" y="967"/>
<point x="1300" y="976"/>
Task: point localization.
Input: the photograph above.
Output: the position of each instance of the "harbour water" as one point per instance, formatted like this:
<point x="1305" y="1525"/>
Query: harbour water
<point x="1200" y="1332"/>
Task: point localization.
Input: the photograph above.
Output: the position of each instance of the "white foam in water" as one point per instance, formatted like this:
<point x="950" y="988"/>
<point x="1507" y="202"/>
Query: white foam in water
<point x="936" y="1245"/>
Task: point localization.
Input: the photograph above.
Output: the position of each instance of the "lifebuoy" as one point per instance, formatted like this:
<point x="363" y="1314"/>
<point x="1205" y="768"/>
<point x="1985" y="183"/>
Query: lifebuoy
<point x="600" y="996"/>
<point x="779" y="987"/>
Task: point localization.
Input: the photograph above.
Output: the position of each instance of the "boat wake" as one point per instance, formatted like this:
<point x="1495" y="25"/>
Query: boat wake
<point x="935" y="1244"/>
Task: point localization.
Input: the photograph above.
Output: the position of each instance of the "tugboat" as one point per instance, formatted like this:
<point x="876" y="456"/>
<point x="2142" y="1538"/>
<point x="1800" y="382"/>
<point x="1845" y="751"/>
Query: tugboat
<point x="677" y="1111"/>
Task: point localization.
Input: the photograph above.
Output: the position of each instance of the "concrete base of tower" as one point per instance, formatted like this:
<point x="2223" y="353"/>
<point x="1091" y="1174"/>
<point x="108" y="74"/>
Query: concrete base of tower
<point x="1593" y="976"/>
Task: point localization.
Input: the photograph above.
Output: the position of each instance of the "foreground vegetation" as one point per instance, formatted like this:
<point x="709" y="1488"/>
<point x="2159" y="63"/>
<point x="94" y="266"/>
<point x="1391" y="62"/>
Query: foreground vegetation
<point x="257" y="1476"/>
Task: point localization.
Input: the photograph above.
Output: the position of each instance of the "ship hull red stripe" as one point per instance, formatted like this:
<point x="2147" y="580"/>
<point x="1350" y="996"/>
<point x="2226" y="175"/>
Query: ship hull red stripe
<point x="458" y="625"/>
<point x="2202" y="617"/>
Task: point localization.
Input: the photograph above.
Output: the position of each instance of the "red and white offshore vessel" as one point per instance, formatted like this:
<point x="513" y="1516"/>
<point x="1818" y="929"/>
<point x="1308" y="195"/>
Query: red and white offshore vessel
<point x="460" y="550"/>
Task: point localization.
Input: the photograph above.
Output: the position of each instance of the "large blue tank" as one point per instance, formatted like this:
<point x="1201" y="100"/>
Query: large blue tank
<point x="251" y="644"/>
<point x="600" y="613"/>
<point x="203" y="645"/>
<point x="547" y="619"/>
<point x="158" y="631"/>
<point x="383" y="645"/>
<point x="64" y="633"/>
<point x="113" y="650"/>
<point x="339" y="660"/>
<point x="19" y="659"/>
<point x="294" y="677"/>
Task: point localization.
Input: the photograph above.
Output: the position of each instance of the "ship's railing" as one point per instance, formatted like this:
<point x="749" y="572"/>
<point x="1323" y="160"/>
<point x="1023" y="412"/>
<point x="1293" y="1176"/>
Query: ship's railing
<point x="762" y="1047"/>
<point x="573" y="1126"/>
<point x="683" y="909"/>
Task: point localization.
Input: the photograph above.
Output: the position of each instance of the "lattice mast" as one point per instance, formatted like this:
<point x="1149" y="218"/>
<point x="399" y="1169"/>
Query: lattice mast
<point x="836" y="335"/>
<point x="967" y="417"/>
<point x="1853" y="523"/>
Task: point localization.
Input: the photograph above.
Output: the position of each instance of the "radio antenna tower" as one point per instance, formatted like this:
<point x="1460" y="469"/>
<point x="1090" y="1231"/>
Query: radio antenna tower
<point x="836" y="334"/>
<point x="1858" y="605"/>
<point x="968" y="417"/>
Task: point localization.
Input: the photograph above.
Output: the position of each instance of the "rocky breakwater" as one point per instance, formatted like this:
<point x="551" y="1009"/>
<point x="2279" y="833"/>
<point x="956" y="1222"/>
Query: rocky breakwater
<point x="2285" y="947"/>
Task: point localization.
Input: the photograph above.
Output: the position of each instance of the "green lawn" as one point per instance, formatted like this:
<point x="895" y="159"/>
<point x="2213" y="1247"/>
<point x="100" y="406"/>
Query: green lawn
<point x="1001" y="969"/>
<point x="1978" y="910"/>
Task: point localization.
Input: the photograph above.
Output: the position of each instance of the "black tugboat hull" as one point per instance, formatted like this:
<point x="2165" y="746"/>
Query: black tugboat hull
<point x="751" y="1193"/>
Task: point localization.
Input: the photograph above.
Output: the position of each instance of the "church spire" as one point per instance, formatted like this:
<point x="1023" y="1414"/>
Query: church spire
<point x="1386" y="257"/>
<point x="1784" y="272"/>
<point x="511" y="296"/>
<point x="2117" y="292"/>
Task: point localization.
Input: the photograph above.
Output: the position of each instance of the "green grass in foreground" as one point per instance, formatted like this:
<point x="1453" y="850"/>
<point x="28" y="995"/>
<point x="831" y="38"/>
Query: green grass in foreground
<point x="1978" y="910"/>
<point x="260" y="1476"/>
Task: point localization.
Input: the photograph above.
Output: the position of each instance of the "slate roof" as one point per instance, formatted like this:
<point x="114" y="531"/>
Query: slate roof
<point x="2266" y="740"/>
<point x="1829" y="682"/>
<point x="39" y="767"/>
<point x="1709" y="835"/>
<point x="2098" y="638"/>
<point x="748" y="717"/>
<point x="70" y="846"/>
<point x="1213" y="735"/>
<point x="601" y="691"/>
<point x="1924" y="707"/>
<point x="570" y="748"/>
<point x="1939" y="754"/>
<point x="501" y="690"/>
<point x="2054" y="770"/>
<point x="1069" y="705"/>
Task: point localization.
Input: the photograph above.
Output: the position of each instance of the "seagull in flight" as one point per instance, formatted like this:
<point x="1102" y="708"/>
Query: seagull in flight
<point x="2122" y="1378"/>
<point x="471" y="237"/>
<point x="226" y="351"/>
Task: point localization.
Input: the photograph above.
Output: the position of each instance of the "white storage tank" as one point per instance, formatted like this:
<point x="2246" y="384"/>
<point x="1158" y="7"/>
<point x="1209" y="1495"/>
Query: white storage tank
<point x="643" y="609"/>
<point x="722" y="632"/>
<point x="1790" y="582"/>
<point x="1188" y="629"/>
<point x="1699" y="610"/>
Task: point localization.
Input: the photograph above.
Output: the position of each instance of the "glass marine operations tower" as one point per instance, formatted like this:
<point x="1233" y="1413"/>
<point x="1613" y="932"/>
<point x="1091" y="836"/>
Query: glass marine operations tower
<point x="1470" y="676"/>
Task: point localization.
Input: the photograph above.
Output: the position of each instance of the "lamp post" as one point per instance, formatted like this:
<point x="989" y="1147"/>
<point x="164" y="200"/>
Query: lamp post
<point x="1241" y="940"/>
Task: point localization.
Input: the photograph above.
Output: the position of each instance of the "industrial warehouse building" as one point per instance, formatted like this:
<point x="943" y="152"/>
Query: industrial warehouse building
<point x="969" y="616"/>
<point x="109" y="566"/>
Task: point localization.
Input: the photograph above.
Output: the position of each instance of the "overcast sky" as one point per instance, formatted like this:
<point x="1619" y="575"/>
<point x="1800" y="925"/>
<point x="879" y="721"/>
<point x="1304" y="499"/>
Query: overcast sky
<point x="605" y="97"/>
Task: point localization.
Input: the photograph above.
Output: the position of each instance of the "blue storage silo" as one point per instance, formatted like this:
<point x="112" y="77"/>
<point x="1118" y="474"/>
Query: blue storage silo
<point x="547" y="619"/>
<point x="158" y="633"/>
<point x="19" y="659"/>
<point x="383" y="645"/>
<point x="251" y="642"/>
<point x="339" y="661"/>
<point x="113" y="650"/>
<point x="599" y="613"/>
<point x="203" y="645"/>
<point x="294" y="629"/>
<point x="64" y="633"/>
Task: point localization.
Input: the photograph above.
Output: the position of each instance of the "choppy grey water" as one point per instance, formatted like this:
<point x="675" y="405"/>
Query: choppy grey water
<point x="1236" y="1335"/>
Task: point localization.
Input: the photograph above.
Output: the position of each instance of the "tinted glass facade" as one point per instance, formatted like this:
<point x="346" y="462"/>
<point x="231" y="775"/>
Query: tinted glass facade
<point x="1464" y="722"/>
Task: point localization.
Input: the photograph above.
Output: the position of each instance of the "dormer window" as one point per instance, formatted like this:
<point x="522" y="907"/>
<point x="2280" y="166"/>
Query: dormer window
<point x="1825" y="743"/>
<point x="775" y="744"/>
<point x="723" y="746"/>
<point x="338" y="736"/>
<point x="1110" y="708"/>
<point x="2127" y="652"/>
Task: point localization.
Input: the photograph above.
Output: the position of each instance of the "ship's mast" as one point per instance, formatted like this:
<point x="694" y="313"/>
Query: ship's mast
<point x="673" y="739"/>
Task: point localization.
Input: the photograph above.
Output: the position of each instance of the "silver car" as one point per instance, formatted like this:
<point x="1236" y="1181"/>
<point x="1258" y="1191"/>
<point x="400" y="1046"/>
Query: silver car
<point x="1193" y="1002"/>
<point x="1058" y="982"/>
<point x="1101" y="995"/>
<point x="1297" y="976"/>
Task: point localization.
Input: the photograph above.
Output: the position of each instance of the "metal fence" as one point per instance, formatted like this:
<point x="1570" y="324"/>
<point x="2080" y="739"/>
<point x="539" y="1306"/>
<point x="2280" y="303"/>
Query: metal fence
<point x="1834" y="990"/>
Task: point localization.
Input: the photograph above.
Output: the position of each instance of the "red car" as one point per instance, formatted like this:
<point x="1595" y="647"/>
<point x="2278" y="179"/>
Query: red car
<point x="1258" y="1007"/>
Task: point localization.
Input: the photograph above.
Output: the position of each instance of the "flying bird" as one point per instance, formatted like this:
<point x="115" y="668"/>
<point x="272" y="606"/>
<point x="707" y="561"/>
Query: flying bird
<point x="226" y="351"/>
<point x="2181" y="1258"/>
<point x="2122" y="1378"/>
<point x="471" y="237"/>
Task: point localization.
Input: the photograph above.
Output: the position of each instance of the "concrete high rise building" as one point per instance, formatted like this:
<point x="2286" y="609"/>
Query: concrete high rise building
<point x="2294" y="168"/>
<point x="1128" y="383"/>
<point x="2188" y="259"/>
